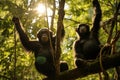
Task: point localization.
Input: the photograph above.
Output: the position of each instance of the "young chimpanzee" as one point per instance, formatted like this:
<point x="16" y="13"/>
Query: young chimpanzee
<point x="87" y="46"/>
<point x="41" y="48"/>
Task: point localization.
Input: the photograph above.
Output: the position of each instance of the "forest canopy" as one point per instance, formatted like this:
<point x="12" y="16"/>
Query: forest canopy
<point x="18" y="64"/>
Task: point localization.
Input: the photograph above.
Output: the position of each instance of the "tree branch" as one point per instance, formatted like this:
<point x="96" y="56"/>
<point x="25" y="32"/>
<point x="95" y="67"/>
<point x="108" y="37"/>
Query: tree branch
<point x="60" y="27"/>
<point x="91" y="67"/>
<point x="88" y="68"/>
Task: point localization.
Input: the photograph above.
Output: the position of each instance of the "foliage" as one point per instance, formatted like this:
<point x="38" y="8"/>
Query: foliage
<point x="76" y="11"/>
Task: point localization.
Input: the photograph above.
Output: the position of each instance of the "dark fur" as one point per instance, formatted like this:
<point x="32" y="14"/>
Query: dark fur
<point x="88" y="45"/>
<point x="40" y="49"/>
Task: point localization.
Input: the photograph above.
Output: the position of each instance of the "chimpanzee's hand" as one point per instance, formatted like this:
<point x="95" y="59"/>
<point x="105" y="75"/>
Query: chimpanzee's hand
<point x="15" y="19"/>
<point x="95" y="3"/>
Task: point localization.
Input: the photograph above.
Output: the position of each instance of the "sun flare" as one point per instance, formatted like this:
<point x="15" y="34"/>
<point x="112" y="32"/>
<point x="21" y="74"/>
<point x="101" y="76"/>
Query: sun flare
<point x="40" y="9"/>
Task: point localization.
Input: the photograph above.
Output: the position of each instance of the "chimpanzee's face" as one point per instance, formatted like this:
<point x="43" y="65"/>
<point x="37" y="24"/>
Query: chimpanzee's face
<point x="43" y="35"/>
<point x="82" y="29"/>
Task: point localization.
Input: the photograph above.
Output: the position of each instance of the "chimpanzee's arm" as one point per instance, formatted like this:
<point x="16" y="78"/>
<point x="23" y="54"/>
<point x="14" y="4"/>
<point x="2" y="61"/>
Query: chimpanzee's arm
<point x="97" y="19"/>
<point x="78" y="50"/>
<point x="29" y="45"/>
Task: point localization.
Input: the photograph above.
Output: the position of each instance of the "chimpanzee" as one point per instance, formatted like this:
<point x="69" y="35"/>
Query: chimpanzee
<point x="87" y="46"/>
<point x="41" y="48"/>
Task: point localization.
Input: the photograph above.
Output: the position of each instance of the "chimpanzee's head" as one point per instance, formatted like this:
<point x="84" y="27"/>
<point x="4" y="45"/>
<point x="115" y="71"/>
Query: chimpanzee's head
<point x="43" y="35"/>
<point x="83" y="30"/>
